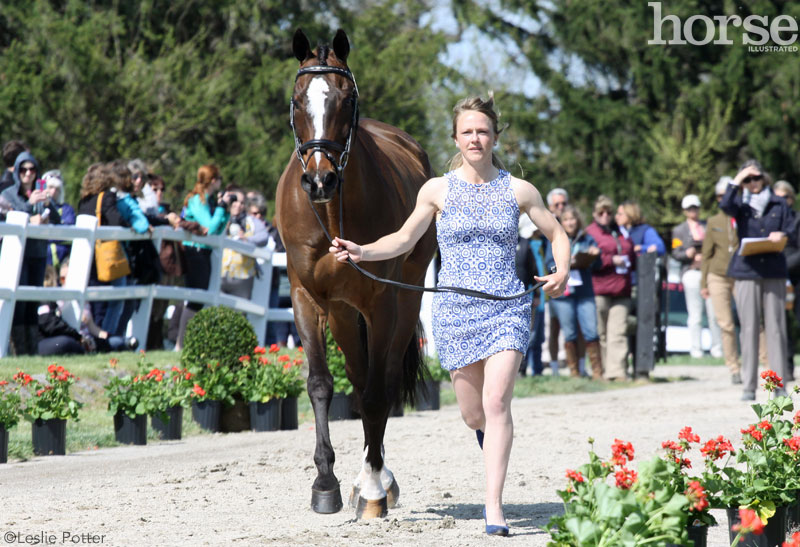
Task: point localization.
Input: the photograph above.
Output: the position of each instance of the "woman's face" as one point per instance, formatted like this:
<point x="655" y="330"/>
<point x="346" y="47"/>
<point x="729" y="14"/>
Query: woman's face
<point x="216" y="182"/>
<point x="621" y="218"/>
<point x="27" y="174"/>
<point x="786" y="197"/>
<point x="570" y="223"/>
<point x="603" y="217"/>
<point x="754" y="183"/>
<point x="55" y="191"/>
<point x="475" y="136"/>
<point x="237" y="206"/>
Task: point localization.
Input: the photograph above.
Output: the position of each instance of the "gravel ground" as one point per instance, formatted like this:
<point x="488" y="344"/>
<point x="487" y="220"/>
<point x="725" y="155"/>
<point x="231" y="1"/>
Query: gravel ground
<point x="255" y="488"/>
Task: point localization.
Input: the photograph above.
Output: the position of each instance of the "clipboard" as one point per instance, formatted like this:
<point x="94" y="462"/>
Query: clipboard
<point x="759" y="245"/>
<point x="583" y="260"/>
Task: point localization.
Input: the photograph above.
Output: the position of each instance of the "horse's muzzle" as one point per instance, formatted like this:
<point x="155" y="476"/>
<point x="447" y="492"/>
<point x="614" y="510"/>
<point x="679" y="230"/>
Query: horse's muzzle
<point x="321" y="186"/>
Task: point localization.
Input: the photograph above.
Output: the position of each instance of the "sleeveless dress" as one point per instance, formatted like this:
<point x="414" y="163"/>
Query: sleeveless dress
<point x="477" y="235"/>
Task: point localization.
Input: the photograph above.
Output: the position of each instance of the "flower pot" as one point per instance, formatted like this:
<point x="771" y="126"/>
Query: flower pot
<point x="3" y="444"/>
<point x="49" y="437"/>
<point x="341" y="407"/>
<point x="793" y="513"/>
<point x="774" y="532"/>
<point x="129" y="430"/>
<point x="289" y="413"/>
<point x="172" y="429"/>
<point x="207" y="414"/>
<point x="236" y="418"/>
<point x="427" y="395"/>
<point x="698" y="536"/>
<point x="265" y="416"/>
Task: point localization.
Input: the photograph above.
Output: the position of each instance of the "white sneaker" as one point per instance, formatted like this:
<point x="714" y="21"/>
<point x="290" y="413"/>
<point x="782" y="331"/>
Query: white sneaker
<point x="697" y="354"/>
<point x="716" y="353"/>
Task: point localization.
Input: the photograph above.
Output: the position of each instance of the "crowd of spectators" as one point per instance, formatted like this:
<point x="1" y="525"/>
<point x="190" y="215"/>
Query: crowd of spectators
<point x="128" y="194"/>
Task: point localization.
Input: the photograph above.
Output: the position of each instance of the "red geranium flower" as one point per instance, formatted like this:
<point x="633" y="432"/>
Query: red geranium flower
<point x="765" y="425"/>
<point x="574" y="475"/>
<point x="199" y="391"/>
<point x="625" y="478"/>
<point x="620" y="451"/>
<point x="793" y="443"/>
<point x="773" y="380"/>
<point x="697" y="496"/>
<point x="794" y="541"/>
<point x="274" y="348"/>
<point x="753" y="432"/>
<point x="260" y="350"/>
<point x="687" y="435"/>
<point x="284" y="359"/>
<point x="715" y="449"/>
<point x="750" y="523"/>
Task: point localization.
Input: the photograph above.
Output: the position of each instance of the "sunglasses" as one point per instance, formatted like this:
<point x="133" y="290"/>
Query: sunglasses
<point x="752" y="178"/>
<point x="27" y="169"/>
<point x="603" y="213"/>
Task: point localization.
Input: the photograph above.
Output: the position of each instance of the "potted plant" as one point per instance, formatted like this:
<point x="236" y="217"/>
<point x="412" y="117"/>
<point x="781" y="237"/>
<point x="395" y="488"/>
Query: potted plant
<point x="48" y="407"/>
<point x="765" y="477"/>
<point x="261" y="385"/>
<point x="220" y="335"/>
<point x="130" y="400"/>
<point x="9" y="415"/>
<point x="171" y="396"/>
<point x="214" y="386"/>
<point x="342" y="403"/>
<point x="608" y="504"/>
<point x="427" y="392"/>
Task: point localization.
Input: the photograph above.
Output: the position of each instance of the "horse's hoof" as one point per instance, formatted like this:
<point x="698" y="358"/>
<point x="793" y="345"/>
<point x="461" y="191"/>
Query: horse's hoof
<point x="371" y="509"/>
<point x="392" y="494"/>
<point x="326" y="501"/>
<point x="354" y="494"/>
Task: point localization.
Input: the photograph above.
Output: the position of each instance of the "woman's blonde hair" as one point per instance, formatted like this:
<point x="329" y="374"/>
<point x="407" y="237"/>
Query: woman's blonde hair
<point x="633" y="212"/>
<point x="603" y="203"/>
<point x="572" y="210"/>
<point x="475" y="104"/>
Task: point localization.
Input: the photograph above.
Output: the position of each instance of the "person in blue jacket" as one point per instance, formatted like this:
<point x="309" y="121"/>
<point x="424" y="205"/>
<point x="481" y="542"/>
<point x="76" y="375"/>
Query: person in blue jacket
<point x="760" y="279"/>
<point x="201" y="206"/>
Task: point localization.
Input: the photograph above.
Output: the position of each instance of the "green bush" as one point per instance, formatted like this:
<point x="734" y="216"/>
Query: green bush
<point x="335" y="358"/>
<point x="217" y="335"/>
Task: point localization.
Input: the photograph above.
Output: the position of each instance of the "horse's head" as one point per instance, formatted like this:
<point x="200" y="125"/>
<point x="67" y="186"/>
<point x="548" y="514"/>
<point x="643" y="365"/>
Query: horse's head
<point x="324" y="114"/>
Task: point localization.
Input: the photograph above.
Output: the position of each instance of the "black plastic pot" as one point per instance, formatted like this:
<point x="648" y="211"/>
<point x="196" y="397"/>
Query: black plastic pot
<point x="207" y="414"/>
<point x="49" y="437"/>
<point x="698" y="536"/>
<point x="427" y="395"/>
<point x="236" y="418"/>
<point x="793" y="513"/>
<point x="3" y="445"/>
<point x="265" y="416"/>
<point x="289" y="413"/>
<point x="172" y="429"/>
<point x="774" y="532"/>
<point x="341" y="407"/>
<point x="129" y="430"/>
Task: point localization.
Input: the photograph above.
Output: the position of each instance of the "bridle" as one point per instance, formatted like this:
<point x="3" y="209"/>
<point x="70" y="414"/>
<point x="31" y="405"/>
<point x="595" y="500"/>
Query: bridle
<point x="325" y="146"/>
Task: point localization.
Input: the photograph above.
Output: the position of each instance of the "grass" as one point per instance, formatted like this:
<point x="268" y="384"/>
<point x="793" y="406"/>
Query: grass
<point x="95" y="428"/>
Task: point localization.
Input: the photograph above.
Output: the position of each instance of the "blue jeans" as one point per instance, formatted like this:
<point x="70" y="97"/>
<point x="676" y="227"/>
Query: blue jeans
<point x="573" y="311"/>
<point x="533" y="357"/>
<point x="114" y="309"/>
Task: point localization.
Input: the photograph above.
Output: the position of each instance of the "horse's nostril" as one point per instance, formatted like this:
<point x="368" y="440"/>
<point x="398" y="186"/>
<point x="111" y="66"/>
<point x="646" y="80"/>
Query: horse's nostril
<point x="330" y="180"/>
<point x="306" y="181"/>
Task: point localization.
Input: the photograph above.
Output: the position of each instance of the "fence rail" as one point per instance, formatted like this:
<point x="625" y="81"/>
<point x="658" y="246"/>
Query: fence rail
<point x="76" y="290"/>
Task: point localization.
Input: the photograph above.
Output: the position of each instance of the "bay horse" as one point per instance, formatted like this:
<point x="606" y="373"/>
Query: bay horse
<point x="359" y="176"/>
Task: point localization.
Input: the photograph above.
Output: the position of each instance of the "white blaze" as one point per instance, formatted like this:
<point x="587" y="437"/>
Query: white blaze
<point x="317" y="93"/>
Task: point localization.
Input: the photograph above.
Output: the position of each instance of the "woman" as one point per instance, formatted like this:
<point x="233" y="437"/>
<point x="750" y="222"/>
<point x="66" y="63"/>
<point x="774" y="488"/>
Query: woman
<point x="58" y="251"/>
<point x="632" y="225"/>
<point x="785" y="190"/>
<point x="760" y="279"/>
<point x="25" y="197"/>
<point x="201" y="207"/>
<point x="577" y="307"/>
<point x="483" y="357"/>
<point x="238" y="270"/>
<point x="611" y="283"/>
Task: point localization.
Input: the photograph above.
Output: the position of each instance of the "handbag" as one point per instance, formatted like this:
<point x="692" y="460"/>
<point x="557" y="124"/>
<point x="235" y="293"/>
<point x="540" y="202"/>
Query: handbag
<point x="109" y="257"/>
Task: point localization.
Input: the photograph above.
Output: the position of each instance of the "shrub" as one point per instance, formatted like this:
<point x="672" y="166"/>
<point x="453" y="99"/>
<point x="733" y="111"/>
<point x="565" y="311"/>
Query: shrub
<point x="217" y="335"/>
<point x="335" y="358"/>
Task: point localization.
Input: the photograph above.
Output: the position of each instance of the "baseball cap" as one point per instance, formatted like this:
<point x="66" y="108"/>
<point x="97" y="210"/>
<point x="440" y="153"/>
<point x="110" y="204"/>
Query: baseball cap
<point x="690" y="200"/>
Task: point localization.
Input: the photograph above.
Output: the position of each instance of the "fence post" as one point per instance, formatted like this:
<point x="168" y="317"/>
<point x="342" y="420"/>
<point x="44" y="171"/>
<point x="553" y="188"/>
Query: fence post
<point x="261" y="293"/>
<point x="11" y="256"/>
<point x="81" y="259"/>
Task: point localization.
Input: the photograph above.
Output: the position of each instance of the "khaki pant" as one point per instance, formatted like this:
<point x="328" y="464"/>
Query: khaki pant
<point x="612" y="323"/>
<point x="720" y="289"/>
<point x="757" y="298"/>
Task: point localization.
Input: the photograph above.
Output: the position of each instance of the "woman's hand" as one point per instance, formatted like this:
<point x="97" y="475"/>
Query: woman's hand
<point x="618" y="260"/>
<point x="37" y="196"/>
<point x="344" y="249"/>
<point x="593" y="250"/>
<point x="775" y="237"/>
<point x="555" y="283"/>
<point x="749" y="171"/>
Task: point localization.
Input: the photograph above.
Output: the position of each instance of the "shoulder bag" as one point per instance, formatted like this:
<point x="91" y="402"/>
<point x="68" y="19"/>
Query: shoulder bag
<point x="109" y="257"/>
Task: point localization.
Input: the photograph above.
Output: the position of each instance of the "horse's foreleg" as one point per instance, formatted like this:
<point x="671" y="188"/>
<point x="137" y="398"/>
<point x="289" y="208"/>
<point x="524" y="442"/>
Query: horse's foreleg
<point x="310" y="320"/>
<point x="390" y="486"/>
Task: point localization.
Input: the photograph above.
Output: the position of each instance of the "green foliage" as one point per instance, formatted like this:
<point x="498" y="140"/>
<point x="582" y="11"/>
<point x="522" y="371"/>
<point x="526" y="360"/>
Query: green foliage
<point x="336" y="365"/>
<point x="53" y="399"/>
<point x="215" y="382"/>
<point x="217" y="335"/>
<point x="10" y="405"/>
<point x="131" y="395"/>
<point x="437" y="373"/>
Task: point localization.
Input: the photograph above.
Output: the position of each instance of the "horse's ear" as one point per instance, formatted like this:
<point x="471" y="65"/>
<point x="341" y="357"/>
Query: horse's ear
<point x="300" y="46"/>
<point x="341" y="45"/>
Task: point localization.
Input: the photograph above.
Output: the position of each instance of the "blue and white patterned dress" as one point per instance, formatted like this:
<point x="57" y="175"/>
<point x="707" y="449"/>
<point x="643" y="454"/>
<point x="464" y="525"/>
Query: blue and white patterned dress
<point x="477" y="234"/>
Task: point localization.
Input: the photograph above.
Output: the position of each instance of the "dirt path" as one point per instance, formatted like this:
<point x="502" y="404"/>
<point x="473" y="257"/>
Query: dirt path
<point x="255" y="488"/>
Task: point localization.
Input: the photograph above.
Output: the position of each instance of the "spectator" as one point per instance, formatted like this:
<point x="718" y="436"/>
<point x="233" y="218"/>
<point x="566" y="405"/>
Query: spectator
<point x="238" y="270"/>
<point x="526" y="269"/>
<point x="11" y="150"/>
<point x="533" y="356"/>
<point x="25" y="197"/>
<point x="719" y="244"/>
<point x="142" y="189"/>
<point x="201" y="206"/>
<point x="687" y="240"/>
<point x="760" y="286"/>
<point x="557" y="199"/>
<point x="576" y="308"/>
<point x="785" y="190"/>
<point x="57" y="337"/>
<point x="58" y="250"/>
<point x="611" y="283"/>
<point x="644" y="237"/>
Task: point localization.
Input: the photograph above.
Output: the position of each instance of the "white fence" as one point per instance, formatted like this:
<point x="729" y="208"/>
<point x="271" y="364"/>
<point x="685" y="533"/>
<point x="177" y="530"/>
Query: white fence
<point x="76" y="290"/>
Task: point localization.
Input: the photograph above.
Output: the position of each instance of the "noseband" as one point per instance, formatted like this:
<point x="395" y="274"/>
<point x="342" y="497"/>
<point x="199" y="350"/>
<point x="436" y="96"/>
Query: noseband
<point x="325" y="146"/>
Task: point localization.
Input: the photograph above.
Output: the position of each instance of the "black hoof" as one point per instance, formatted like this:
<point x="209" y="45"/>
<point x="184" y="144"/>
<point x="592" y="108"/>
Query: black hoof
<point x="326" y="502"/>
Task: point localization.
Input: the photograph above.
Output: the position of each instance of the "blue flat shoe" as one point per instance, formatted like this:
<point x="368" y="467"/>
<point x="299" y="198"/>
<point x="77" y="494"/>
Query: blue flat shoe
<point x="479" y="434"/>
<point x="494" y="529"/>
